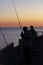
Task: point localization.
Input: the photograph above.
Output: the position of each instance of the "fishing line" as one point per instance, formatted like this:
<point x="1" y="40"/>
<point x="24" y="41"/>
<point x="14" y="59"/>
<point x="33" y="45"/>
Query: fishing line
<point x="3" y="36"/>
<point x="6" y="43"/>
<point x="16" y="14"/>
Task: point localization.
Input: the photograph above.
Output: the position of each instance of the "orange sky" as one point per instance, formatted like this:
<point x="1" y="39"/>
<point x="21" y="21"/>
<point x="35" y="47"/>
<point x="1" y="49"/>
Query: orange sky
<point x="30" y="12"/>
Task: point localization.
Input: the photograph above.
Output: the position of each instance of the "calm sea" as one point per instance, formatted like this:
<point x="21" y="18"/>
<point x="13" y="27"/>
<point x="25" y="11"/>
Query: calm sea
<point x="13" y="35"/>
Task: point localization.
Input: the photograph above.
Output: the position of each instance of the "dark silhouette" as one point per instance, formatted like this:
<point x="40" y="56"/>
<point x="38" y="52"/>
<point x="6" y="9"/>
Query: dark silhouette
<point x="33" y="36"/>
<point x="33" y="32"/>
<point x="29" y="38"/>
<point x="23" y="54"/>
<point x="25" y="35"/>
<point x="8" y="55"/>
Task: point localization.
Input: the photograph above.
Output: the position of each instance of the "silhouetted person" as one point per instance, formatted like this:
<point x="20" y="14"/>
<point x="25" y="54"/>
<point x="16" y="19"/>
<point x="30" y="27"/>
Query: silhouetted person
<point x="33" y="36"/>
<point x="25" y="35"/>
<point x="33" y="32"/>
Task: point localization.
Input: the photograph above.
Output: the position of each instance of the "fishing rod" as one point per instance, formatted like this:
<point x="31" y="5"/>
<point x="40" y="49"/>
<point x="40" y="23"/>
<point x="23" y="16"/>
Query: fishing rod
<point x="6" y="43"/>
<point x="16" y="14"/>
<point x="3" y="36"/>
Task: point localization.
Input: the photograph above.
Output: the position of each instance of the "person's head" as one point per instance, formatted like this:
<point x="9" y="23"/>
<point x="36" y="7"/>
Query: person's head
<point x="25" y="29"/>
<point x="31" y="27"/>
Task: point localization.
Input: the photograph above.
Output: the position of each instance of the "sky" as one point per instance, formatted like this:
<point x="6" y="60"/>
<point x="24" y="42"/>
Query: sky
<point x="30" y="12"/>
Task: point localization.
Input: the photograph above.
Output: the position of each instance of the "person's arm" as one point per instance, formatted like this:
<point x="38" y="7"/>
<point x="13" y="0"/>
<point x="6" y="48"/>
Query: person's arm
<point x="22" y="35"/>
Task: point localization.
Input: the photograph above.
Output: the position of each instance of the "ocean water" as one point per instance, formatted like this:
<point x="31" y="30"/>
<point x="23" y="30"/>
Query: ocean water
<point x="13" y="35"/>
